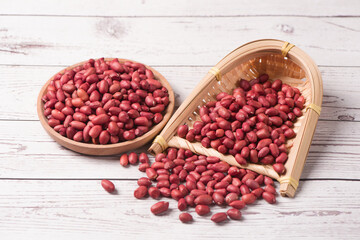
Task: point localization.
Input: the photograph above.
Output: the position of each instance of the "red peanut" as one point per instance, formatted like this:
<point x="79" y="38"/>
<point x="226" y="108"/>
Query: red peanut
<point x="248" y="198"/>
<point x="270" y="189"/>
<point x="185" y="217"/>
<point x="234" y="214"/>
<point x="238" y="204"/>
<point x="108" y="185"/>
<point x="182" y="204"/>
<point x="203" y="200"/>
<point x="154" y="192"/>
<point x="140" y="192"/>
<point x="279" y="168"/>
<point x="133" y="158"/>
<point x="124" y="160"/>
<point x="159" y="207"/>
<point x="144" y="182"/>
<point x="151" y="173"/>
<point x="219" y="217"/>
<point x="202" y="210"/>
<point x="269" y="197"/>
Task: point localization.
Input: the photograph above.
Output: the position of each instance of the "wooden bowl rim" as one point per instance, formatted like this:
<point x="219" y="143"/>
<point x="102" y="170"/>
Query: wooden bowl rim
<point x="150" y="134"/>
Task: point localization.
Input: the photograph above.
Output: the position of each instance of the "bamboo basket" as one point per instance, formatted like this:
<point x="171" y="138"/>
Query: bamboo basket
<point x="278" y="59"/>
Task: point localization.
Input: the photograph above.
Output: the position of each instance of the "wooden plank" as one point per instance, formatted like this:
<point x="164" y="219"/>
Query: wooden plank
<point x="24" y="82"/>
<point x="82" y="209"/>
<point x="182" y="8"/>
<point x="26" y="151"/>
<point x="170" y="41"/>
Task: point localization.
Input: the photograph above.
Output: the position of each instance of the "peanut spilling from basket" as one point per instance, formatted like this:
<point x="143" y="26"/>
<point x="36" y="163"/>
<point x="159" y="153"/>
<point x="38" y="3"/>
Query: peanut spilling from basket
<point x="201" y="182"/>
<point x="252" y="124"/>
<point x="105" y="101"/>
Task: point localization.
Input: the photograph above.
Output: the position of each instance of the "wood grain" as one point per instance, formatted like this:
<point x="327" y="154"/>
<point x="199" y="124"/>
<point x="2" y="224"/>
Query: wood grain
<point x="83" y="209"/>
<point x="23" y="83"/>
<point x="27" y="152"/>
<point x="135" y="8"/>
<point x="183" y="41"/>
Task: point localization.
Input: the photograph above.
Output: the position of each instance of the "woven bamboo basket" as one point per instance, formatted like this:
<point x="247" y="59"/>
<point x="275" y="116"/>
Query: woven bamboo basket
<point x="108" y="149"/>
<point x="278" y="59"/>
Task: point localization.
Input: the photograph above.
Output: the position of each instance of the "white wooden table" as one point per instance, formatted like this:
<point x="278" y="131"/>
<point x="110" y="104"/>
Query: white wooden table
<point x="49" y="192"/>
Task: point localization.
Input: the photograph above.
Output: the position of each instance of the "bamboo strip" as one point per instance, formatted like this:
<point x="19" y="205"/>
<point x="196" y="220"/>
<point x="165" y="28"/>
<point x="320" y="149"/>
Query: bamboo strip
<point x="199" y="149"/>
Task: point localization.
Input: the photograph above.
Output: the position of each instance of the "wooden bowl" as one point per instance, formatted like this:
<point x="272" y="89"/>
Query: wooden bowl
<point x="278" y="59"/>
<point x="108" y="149"/>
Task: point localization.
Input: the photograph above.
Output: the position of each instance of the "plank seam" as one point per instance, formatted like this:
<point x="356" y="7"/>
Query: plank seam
<point x="169" y="66"/>
<point x="176" y="16"/>
<point x="129" y="179"/>
<point x="320" y="120"/>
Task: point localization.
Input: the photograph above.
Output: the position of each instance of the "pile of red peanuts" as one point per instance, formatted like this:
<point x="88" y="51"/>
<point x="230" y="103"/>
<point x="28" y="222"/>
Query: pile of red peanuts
<point x="252" y="124"/>
<point x="105" y="102"/>
<point x="207" y="181"/>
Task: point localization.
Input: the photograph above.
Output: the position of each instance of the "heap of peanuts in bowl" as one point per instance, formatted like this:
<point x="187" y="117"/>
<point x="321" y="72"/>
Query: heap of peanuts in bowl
<point x="103" y="102"/>
<point x="112" y="105"/>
